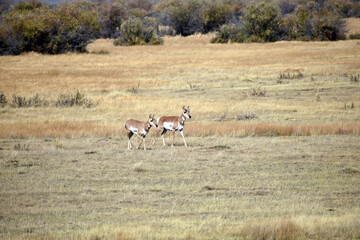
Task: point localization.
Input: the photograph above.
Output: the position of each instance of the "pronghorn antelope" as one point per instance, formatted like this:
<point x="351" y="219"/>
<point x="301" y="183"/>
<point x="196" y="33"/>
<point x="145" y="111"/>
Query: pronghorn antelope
<point x="139" y="128"/>
<point x="173" y="123"/>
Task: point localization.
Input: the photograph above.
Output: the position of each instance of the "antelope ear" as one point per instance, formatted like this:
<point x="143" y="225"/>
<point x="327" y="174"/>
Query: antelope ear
<point x="183" y="107"/>
<point x="149" y="115"/>
<point x="188" y="108"/>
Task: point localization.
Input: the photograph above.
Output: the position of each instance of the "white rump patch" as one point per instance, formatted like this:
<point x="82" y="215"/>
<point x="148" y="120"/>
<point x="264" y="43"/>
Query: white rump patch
<point x="168" y="126"/>
<point x="134" y="130"/>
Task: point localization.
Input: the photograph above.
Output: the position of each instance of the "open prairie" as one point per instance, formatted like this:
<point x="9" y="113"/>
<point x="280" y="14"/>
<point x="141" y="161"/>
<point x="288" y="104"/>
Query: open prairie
<point x="219" y="188"/>
<point x="273" y="142"/>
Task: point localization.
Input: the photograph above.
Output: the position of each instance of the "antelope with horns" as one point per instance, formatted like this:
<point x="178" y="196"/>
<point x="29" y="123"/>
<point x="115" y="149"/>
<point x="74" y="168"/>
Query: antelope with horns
<point x="139" y="128"/>
<point x="173" y="123"/>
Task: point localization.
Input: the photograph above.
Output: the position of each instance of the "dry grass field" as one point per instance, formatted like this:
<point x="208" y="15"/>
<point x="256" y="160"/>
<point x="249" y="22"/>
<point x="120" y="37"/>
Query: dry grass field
<point x="218" y="188"/>
<point x="273" y="142"/>
<point x="221" y="83"/>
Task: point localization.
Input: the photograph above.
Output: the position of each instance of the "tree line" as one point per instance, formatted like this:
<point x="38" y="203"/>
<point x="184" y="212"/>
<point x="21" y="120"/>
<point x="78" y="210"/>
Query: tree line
<point x="70" y="26"/>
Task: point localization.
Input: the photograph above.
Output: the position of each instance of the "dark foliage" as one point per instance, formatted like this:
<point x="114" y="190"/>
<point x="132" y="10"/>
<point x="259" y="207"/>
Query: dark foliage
<point x="259" y="24"/>
<point x="70" y="26"/>
<point x="33" y="26"/>
<point x="313" y="22"/>
<point x="137" y="31"/>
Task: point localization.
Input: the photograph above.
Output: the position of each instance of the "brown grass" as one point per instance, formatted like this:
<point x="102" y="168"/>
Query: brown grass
<point x="352" y="25"/>
<point x="219" y="187"/>
<point x="53" y="129"/>
<point x="286" y="228"/>
<point x="213" y="79"/>
<point x="271" y="129"/>
<point x="227" y="185"/>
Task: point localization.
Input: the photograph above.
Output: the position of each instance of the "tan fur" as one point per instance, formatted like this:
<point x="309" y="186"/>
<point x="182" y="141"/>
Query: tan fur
<point x="174" y="123"/>
<point x="139" y="128"/>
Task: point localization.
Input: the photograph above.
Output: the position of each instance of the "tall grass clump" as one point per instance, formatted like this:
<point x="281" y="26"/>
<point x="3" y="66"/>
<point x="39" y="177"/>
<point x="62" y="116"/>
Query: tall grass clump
<point x="23" y="102"/>
<point x="276" y="229"/>
<point x="3" y="99"/>
<point x="74" y="99"/>
<point x="326" y="228"/>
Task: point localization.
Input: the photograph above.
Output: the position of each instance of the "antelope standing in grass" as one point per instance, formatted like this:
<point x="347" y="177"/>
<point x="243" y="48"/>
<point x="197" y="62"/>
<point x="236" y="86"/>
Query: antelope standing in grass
<point x="173" y="123"/>
<point x="139" y="128"/>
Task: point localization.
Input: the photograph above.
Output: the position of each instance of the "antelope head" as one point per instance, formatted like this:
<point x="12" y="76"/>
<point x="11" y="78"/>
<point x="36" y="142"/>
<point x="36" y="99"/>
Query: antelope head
<point x="151" y="121"/>
<point x="186" y="112"/>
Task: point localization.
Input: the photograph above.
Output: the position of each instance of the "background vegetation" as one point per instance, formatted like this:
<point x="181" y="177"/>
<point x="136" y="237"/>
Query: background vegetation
<point x="273" y="141"/>
<point x="70" y="26"/>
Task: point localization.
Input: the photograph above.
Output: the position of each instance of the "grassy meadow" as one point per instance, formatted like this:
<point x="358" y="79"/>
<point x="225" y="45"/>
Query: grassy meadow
<point x="274" y="150"/>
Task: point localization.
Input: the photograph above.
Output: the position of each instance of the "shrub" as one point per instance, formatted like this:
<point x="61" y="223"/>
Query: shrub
<point x="183" y="16"/>
<point x="342" y="7"/>
<point x="33" y="26"/>
<point x="23" y="102"/>
<point x="287" y="7"/>
<point x="261" y="21"/>
<point x="214" y="15"/>
<point x="3" y="100"/>
<point x="354" y="36"/>
<point x="77" y="25"/>
<point x="76" y="99"/>
<point x="223" y="35"/>
<point x="111" y="15"/>
<point x="312" y="22"/>
<point x="256" y="91"/>
<point x="5" y="5"/>
<point x="136" y="31"/>
<point x="259" y="24"/>
<point x="28" y="27"/>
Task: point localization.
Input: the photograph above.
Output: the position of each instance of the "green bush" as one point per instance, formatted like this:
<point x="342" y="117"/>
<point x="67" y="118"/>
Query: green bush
<point x="259" y="24"/>
<point x="214" y="15"/>
<point x="345" y="8"/>
<point x="33" y="26"/>
<point x="111" y="15"/>
<point x="224" y="34"/>
<point x="354" y="36"/>
<point x="184" y="17"/>
<point x="137" y="31"/>
<point x="261" y="21"/>
<point x="313" y="22"/>
<point x="28" y="27"/>
<point x="192" y="16"/>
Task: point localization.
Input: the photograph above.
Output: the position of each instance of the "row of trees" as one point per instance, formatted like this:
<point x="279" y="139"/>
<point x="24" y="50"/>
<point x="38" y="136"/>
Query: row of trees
<point x="263" y="22"/>
<point x="70" y="26"/>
